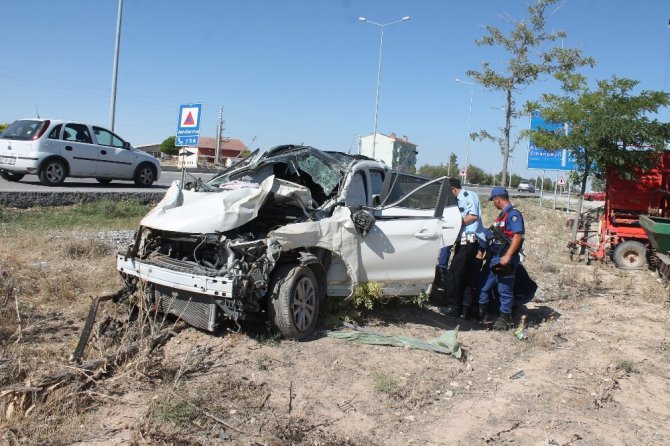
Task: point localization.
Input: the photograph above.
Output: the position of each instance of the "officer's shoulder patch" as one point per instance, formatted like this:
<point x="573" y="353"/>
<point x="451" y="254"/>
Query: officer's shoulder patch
<point x="465" y="193"/>
<point x="514" y="218"/>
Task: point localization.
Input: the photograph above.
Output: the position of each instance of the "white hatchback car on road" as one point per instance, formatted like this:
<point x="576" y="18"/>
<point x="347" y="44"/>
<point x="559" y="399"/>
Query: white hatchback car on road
<point x="54" y="150"/>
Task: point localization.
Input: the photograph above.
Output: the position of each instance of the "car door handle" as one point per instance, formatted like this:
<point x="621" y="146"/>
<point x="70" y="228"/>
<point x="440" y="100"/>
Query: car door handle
<point x="423" y="235"/>
<point x="103" y="152"/>
<point x="68" y="148"/>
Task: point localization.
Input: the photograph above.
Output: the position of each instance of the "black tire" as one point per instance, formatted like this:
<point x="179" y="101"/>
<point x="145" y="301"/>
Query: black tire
<point x="53" y="172"/>
<point x="103" y="180"/>
<point x="293" y="304"/>
<point x="10" y="176"/>
<point x="145" y="175"/>
<point x="630" y="255"/>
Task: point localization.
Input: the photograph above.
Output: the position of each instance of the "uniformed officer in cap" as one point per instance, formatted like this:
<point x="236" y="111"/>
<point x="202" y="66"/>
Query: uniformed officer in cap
<point x="504" y="258"/>
<point x="464" y="268"/>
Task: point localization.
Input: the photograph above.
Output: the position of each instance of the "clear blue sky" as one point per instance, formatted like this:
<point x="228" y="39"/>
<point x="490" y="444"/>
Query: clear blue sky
<point x="301" y="71"/>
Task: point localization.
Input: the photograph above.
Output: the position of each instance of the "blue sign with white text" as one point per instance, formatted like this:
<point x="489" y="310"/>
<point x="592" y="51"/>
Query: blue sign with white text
<point x="539" y="158"/>
<point x="188" y="127"/>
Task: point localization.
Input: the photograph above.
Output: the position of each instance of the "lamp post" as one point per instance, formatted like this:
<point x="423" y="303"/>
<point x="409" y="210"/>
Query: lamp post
<point x="115" y="71"/>
<point x="379" y="71"/>
<point x="467" y="150"/>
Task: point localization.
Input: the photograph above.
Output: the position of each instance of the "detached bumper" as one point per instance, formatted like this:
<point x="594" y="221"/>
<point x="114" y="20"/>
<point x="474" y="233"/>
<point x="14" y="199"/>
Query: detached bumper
<point x="180" y="280"/>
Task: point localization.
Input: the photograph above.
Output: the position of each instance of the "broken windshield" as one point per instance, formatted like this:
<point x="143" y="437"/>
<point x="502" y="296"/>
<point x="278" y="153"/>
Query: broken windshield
<point x="300" y="165"/>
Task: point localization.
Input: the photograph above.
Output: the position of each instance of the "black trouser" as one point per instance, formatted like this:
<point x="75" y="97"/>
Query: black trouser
<point x="462" y="273"/>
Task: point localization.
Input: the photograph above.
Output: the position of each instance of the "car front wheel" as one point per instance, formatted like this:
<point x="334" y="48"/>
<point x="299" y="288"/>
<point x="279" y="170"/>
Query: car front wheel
<point x="52" y="173"/>
<point x="10" y="176"/>
<point x="294" y="301"/>
<point x="145" y="175"/>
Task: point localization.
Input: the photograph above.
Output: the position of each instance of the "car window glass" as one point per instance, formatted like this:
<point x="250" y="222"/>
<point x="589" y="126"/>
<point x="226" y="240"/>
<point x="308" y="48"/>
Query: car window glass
<point x="356" y="195"/>
<point x="55" y="133"/>
<point x="107" y="138"/>
<point x="23" y="130"/>
<point x="77" y="133"/>
<point x="376" y="181"/>
<point x="322" y="174"/>
<point x="425" y="198"/>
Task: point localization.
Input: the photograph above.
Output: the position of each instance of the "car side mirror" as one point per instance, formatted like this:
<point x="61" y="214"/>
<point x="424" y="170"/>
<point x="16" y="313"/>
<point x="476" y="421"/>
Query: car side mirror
<point x="126" y="145"/>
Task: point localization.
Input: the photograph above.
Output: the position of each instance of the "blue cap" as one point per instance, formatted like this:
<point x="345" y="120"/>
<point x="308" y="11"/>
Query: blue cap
<point x="498" y="191"/>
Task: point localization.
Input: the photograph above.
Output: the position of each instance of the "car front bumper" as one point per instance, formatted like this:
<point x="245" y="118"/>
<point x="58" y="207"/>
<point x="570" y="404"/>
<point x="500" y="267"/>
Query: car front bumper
<point x="181" y="280"/>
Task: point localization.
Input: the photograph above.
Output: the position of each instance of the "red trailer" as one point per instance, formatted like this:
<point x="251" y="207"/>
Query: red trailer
<point x="619" y="235"/>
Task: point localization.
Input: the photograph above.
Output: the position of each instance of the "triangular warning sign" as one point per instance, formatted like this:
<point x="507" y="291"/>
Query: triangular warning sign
<point x="189" y="119"/>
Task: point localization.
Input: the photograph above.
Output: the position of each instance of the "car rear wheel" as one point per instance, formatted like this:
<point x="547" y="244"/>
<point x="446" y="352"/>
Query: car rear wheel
<point x="630" y="255"/>
<point x="145" y="175"/>
<point x="10" y="176"/>
<point x="294" y="301"/>
<point x="52" y="173"/>
<point x="103" y="180"/>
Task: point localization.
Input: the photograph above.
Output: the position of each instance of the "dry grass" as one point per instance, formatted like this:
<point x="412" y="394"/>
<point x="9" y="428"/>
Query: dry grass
<point x="234" y="389"/>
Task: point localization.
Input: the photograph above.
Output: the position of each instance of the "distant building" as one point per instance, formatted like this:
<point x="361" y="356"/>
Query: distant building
<point x="152" y="149"/>
<point x="399" y="153"/>
<point x="230" y="148"/>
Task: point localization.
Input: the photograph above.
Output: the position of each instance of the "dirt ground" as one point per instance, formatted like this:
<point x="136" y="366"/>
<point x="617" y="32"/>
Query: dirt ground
<point x="592" y="371"/>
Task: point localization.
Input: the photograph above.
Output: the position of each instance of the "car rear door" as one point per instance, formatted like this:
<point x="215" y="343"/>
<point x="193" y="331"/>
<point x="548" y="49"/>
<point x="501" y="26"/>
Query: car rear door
<point x="115" y="158"/>
<point x="401" y="250"/>
<point x="77" y="147"/>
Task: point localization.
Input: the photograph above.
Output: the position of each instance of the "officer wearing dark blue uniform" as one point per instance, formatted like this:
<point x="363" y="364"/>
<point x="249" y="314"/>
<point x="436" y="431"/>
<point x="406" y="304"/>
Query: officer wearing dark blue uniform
<point x="504" y="258"/>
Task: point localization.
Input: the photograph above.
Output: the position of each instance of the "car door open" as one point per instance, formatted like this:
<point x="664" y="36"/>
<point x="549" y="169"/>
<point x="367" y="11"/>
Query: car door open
<point x="401" y="250"/>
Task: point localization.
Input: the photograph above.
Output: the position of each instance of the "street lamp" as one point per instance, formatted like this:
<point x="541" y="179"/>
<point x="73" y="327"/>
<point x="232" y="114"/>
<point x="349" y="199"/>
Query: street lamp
<point x="115" y="70"/>
<point x="467" y="151"/>
<point x="379" y="71"/>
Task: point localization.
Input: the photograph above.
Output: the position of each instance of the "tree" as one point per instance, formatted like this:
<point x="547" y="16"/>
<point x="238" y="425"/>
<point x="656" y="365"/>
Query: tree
<point x="597" y="183"/>
<point x="433" y="171"/>
<point x="607" y="126"/>
<point x="453" y="166"/>
<point x="476" y="175"/>
<point x="168" y="146"/>
<point x="529" y="59"/>
<point x="3" y="127"/>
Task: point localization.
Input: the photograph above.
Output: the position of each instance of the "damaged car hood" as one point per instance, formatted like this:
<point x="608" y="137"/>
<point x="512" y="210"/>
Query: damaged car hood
<point x="207" y="212"/>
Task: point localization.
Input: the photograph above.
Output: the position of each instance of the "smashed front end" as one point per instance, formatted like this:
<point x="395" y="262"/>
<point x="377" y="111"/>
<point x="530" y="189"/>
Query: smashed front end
<point x="206" y="251"/>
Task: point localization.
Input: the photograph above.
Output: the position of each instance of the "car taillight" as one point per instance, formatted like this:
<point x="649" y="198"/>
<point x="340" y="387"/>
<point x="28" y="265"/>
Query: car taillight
<point x="45" y="126"/>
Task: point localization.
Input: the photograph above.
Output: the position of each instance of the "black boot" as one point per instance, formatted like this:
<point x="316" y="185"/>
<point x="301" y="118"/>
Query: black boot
<point x="504" y="322"/>
<point x="483" y="311"/>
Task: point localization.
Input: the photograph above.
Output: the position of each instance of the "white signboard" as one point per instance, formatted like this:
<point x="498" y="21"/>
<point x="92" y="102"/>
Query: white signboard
<point x="188" y="158"/>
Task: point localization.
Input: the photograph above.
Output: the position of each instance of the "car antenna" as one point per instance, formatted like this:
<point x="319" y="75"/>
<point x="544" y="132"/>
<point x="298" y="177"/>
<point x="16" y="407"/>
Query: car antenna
<point x="37" y="111"/>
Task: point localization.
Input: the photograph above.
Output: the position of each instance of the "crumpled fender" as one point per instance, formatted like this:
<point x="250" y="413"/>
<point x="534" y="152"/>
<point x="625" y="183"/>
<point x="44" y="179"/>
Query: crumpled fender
<point x="336" y="233"/>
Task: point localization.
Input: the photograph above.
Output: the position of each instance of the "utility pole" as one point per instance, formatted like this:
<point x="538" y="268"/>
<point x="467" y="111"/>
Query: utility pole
<point x="219" y="132"/>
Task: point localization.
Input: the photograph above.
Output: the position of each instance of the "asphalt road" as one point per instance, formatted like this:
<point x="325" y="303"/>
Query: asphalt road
<point x="30" y="183"/>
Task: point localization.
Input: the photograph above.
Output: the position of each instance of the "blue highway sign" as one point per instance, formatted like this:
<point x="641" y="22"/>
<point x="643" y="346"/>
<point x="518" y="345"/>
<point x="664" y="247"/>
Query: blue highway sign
<point x="188" y="127"/>
<point x="539" y="158"/>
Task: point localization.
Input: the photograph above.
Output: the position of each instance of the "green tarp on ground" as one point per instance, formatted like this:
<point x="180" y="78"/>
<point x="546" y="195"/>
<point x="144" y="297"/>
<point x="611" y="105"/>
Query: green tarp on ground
<point x="446" y="343"/>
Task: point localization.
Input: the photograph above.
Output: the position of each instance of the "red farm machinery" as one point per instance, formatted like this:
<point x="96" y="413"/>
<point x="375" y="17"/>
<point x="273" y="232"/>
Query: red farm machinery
<point x="620" y="230"/>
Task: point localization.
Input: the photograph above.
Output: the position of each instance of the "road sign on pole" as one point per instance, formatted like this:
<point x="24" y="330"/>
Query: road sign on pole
<point x="539" y="158"/>
<point x="464" y="172"/>
<point x="561" y="181"/>
<point x="188" y="158"/>
<point x="188" y="126"/>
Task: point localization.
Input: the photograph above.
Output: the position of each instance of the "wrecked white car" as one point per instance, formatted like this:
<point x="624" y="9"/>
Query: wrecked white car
<point x="278" y="233"/>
